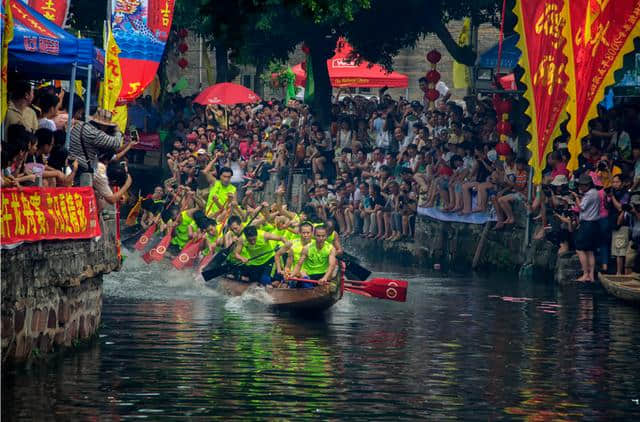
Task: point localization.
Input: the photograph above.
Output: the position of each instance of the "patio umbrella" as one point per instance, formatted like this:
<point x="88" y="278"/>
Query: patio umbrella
<point x="226" y="93"/>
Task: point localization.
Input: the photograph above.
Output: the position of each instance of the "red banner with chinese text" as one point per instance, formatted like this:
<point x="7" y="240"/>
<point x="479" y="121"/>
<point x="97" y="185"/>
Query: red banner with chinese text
<point x="54" y="10"/>
<point x="542" y="38"/>
<point x="601" y="33"/>
<point x="32" y="214"/>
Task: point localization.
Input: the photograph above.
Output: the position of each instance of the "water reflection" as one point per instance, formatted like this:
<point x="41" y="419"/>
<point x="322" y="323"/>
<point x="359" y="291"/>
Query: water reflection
<point x="458" y="349"/>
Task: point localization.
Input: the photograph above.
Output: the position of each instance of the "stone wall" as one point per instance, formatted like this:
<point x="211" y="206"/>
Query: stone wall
<point x="52" y="293"/>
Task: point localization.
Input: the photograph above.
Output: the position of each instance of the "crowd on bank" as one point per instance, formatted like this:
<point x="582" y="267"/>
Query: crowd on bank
<point x="367" y="173"/>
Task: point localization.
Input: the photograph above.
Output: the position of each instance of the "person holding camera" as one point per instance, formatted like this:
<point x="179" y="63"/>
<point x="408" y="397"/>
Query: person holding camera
<point x="618" y="219"/>
<point x="89" y="139"/>
<point x="110" y="173"/>
<point x="587" y="235"/>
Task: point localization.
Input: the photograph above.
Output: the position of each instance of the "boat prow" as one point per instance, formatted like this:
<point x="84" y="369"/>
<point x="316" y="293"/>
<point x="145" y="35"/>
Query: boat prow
<point x="625" y="287"/>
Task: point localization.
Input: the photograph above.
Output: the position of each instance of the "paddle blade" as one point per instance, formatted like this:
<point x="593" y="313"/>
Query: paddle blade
<point x="381" y="288"/>
<point x="144" y="239"/>
<point x="157" y="253"/>
<point x="205" y="261"/>
<point x="130" y="241"/>
<point x="216" y="266"/>
<point x="187" y="256"/>
<point x="353" y="269"/>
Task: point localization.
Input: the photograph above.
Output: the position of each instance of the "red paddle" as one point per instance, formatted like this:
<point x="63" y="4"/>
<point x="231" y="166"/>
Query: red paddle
<point x="157" y="253"/>
<point x="187" y="256"/>
<point x="381" y="288"/>
<point x="144" y="239"/>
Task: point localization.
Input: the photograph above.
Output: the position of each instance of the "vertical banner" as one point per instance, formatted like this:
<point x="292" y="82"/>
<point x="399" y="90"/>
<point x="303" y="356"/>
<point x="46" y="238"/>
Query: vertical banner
<point x="461" y="72"/>
<point x="542" y="30"/>
<point x="7" y="37"/>
<point x="112" y="75"/>
<point x="54" y="10"/>
<point x="601" y="33"/>
<point x="141" y="29"/>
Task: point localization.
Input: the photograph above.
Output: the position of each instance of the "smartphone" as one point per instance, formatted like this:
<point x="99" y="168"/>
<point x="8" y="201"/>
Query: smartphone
<point x="134" y="135"/>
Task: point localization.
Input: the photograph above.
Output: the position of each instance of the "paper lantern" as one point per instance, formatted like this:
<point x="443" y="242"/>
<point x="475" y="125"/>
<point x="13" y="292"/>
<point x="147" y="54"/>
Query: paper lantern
<point x="433" y="76"/>
<point x="432" y="94"/>
<point x="434" y="56"/>
<point x="183" y="48"/>
<point x="182" y="33"/>
<point x="503" y="149"/>
<point x="501" y="105"/>
<point x="503" y="128"/>
<point x="183" y="63"/>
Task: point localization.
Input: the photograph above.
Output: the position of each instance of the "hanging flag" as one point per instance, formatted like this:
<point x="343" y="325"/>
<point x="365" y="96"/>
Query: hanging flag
<point x="290" y="89"/>
<point x="593" y="56"/>
<point x="460" y="71"/>
<point x="141" y="29"/>
<point x="119" y="117"/>
<point x="155" y="89"/>
<point x="7" y="36"/>
<point x="207" y="66"/>
<point x="542" y="39"/>
<point x="54" y="10"/>
<point x="309" y="88"/>
<point x="112" y="74"/>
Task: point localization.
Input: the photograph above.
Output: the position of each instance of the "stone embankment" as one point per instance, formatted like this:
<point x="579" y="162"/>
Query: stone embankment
<point x="52" y="293"/>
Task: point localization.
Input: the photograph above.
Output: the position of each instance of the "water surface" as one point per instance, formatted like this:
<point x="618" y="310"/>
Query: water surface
<point x="460" y="348"/>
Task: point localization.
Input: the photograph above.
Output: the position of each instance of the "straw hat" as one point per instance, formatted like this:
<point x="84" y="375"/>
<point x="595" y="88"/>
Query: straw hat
<point x="102" y="117"/>
<point x="559" y="180"/>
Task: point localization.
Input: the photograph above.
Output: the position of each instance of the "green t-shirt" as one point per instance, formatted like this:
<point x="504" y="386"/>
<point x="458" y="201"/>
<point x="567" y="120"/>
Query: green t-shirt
<point x="317" y="261"/>
<point x="221" y="192"/>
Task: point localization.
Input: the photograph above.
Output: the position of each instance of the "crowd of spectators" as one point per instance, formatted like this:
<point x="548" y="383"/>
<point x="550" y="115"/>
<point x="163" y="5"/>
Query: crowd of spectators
<point x="377" y="163"/>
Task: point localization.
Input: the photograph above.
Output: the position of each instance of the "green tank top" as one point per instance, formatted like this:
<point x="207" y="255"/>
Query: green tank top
<point x="317" y="261"/>
<point x="181" y="232"/>
<point x="261" y="246"/>
<point x="296" y="250"/>
<point x="222" y="193"/>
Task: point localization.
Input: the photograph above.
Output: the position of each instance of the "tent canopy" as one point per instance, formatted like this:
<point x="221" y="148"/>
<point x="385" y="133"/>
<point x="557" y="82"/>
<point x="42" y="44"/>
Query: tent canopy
<point x="344" y="72"/>
<point x="510" y="54"/>
<point x="41" y="49"/>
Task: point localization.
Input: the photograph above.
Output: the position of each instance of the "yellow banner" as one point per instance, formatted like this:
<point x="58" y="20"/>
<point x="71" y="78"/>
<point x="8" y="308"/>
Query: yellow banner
<point x="7" y="36"/>
<point x="460" y="71"/>
<point x="112" y="75"/>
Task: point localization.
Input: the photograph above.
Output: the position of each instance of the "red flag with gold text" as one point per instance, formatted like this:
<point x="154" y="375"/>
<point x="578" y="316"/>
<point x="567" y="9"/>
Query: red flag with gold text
<point x="54" y="10"/>
<point x="542" y="38"/>
<point x="601" y="33"/>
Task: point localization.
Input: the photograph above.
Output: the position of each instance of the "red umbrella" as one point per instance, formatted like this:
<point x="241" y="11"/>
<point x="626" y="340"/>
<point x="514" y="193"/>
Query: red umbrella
<point x="226" y="93"/>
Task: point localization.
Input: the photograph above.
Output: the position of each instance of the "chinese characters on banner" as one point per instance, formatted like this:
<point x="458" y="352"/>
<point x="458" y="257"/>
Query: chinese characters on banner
<point x="141" y="29"/>
<point x="54" y="10"/>
<point x="601" y="33"/>
<point x="541" y="26"/>
<point x="33" y="214"/>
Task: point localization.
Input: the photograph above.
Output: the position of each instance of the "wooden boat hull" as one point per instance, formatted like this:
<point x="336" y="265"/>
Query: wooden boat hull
<point x="625" y="287"/>
<point x="315" y="299"/>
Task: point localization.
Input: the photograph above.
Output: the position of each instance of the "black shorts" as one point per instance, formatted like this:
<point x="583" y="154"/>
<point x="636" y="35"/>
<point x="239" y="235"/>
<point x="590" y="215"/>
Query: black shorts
<point x="587" y="236"/>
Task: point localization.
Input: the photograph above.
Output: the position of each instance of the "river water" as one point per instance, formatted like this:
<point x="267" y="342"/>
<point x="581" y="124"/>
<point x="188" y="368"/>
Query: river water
<point x="460" y="348"/>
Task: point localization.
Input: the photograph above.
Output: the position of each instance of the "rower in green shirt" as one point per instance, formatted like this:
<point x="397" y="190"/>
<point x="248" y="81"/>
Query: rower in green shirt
<point x="317" y="259"/>
<point x="255" y="250"/>
<point x="293" y="253"/>
<point x="221" y="190"/>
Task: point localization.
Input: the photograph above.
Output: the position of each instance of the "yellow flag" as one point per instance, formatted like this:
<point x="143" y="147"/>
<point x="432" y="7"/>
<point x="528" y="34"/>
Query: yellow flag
<point x="112" y="75"/>
<point x="119" y="117"/>
<point x="461" y="72"/>
<point x="154" y="89"/>
<point x="7" y="36"/>
<point x="207" y="65"/>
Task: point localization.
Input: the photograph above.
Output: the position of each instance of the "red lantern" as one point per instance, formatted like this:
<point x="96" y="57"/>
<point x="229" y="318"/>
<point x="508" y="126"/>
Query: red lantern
<point x="182" y="33"/>
<point x="501" y="105"/>
<point x="432" y="94"/>
<point x="503" y="128"/>
<point x="503" y="149"/>
<point x="183" y="48"/>
<point x="183" y="63"/>
<point x="433" y="76"/>
<point x="434" y="56"/>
